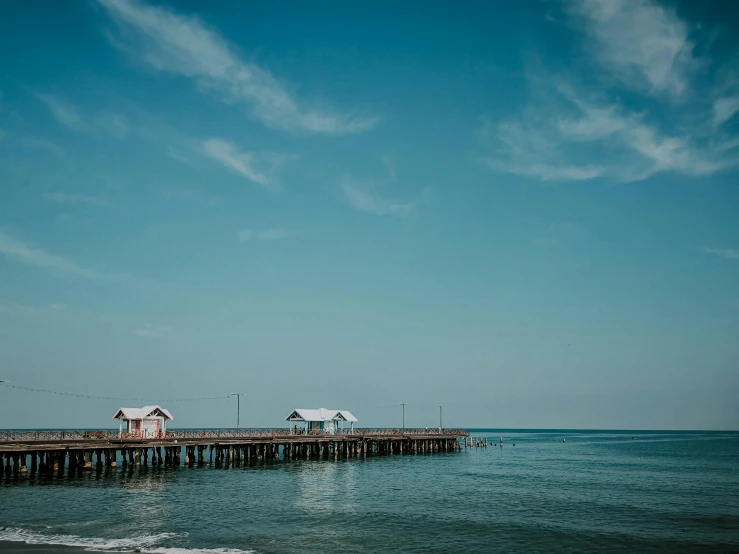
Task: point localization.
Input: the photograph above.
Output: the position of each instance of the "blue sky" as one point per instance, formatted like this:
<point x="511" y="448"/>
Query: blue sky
<point x="526" y="212"/>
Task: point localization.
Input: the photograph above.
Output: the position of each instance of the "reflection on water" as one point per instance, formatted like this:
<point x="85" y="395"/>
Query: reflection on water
<point x="328" y="488"/>
<point x="318" y="487"/>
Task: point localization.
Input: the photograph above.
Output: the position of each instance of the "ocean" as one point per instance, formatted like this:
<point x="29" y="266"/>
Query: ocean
<point x="608" y="491"/>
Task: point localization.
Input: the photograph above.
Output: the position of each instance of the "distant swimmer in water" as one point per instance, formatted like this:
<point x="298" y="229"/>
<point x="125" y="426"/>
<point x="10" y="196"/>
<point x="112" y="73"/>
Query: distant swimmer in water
<point x="564" y="440"/>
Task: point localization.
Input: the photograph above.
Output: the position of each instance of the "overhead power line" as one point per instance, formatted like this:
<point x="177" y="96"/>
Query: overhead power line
<point x="118" y="398"/>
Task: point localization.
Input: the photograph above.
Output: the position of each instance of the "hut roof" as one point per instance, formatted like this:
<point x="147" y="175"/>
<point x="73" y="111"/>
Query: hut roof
<point x="142" y="413"/>
<point x="347" y="415"/>
<point x="321" y="414"/>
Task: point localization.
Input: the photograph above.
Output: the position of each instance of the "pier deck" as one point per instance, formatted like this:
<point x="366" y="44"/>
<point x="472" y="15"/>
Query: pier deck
<point x="52" y="451"/>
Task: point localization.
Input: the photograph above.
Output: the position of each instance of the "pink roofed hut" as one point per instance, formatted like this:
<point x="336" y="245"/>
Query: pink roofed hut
<point x="146" y="422"/>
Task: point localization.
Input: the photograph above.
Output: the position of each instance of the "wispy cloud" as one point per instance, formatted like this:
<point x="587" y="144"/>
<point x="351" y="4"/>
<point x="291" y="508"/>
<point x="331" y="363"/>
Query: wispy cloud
<point x="387" y="161"/>
<point x="149" y="330"/>
<point x="644" y="44"/>
<point x="576" y="127"/>
<point x="625" y="146"/>
<point x="114" y="124"/>
<point x="189" y="195"/>
<point x="728" y="253"/>
<point x="521" y="148"/>
<point x="21" y="252"/>
<point x="178" y="155"/>
<point x="277" y="233"/>
<point x="64" y="113"/>
<point x="184" y="45"/>
<point x="93" y="124"/>
<point x="561" y="232"/>
<point x="258" y="167"/>
<point x="43" y="145"/>
<point x="64" y="198"/>
<point x="362" y="197"/>
<point x="724" y="109"/>
<point x="366" y="196"/>
<point x="17" y="309"/>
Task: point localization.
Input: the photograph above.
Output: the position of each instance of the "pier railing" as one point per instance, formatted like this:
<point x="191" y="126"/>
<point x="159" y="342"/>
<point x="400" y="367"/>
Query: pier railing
<point x="60" y="435"/>
<point x="24" y="435"/>
<point x="410" y="432"/>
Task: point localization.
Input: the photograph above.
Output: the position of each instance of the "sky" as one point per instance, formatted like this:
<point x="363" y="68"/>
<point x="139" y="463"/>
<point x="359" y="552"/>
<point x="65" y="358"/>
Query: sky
<point x="527" y="212"/>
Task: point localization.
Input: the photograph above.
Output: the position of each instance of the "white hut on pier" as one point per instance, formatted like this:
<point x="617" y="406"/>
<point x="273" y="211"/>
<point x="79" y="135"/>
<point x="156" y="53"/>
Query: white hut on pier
<point x="322" y="420"/>
<point x="146" y="422"/>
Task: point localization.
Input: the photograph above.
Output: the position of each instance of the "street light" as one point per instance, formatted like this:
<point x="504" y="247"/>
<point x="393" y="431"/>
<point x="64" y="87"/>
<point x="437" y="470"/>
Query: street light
<point x="238" y="396"/>
<point x="440" y="407"/>
<point x="404" y="404"/>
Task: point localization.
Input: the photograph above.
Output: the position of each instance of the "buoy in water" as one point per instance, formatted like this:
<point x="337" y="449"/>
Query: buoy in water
<point x="564" y="440"/>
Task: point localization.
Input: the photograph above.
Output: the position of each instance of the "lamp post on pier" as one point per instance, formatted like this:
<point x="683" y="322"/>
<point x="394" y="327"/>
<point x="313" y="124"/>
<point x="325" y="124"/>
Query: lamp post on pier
<point x="238" y="396"/>
<point x="440" y="407"/>
<point x="404" y="404"/>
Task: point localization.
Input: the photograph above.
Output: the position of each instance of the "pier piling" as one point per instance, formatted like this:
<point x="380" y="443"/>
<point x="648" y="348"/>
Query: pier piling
<point x="49" y="450"/>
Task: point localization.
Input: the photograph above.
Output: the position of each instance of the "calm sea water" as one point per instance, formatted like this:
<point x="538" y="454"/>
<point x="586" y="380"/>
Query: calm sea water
<point x="676" y="492"/>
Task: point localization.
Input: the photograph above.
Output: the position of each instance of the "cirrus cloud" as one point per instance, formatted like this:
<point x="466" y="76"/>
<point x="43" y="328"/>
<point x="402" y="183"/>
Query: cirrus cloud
<point x="577" y="126"/>
<point x="276" y="233"/>
<point x="184" y="45"/>
<point x="258" y="167"/>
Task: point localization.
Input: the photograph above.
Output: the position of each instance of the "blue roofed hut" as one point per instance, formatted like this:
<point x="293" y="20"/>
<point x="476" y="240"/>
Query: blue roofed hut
<point x="321" y="420"/>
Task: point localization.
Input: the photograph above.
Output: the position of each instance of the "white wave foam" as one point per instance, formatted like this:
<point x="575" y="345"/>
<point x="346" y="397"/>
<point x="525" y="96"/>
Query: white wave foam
<point x="146" y="543"/>
<point x="198" y="551"/>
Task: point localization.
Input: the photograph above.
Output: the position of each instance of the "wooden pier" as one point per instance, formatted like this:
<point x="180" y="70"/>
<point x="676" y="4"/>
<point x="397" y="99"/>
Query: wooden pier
<point x="53" y="451"/>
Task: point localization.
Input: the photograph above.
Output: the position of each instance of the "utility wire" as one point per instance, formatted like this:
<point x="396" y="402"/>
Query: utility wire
<point x="96" y="397"/>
